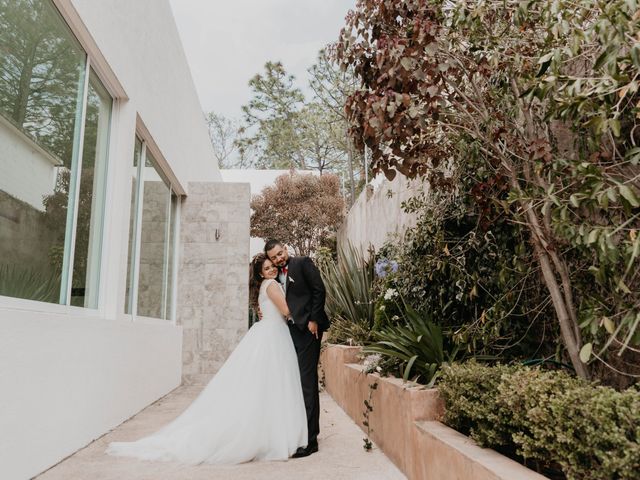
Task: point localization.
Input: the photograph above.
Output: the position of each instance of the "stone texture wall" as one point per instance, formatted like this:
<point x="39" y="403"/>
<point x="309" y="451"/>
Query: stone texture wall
<point x="377" y="215"/>
<point x="213" y="288"/>
<point x="25" y="238"/>
<point x="153" y="242"/>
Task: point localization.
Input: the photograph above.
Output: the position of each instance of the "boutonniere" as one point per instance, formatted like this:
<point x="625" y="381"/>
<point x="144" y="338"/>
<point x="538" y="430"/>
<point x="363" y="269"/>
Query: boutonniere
<point x="291" y="279"/>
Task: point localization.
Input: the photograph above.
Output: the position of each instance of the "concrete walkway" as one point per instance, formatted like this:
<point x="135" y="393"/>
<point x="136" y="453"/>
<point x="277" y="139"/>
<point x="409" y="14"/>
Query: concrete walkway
<point x="341" y="455"/>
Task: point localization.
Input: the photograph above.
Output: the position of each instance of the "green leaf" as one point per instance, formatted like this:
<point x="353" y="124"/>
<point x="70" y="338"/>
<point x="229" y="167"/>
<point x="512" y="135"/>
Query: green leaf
<point x="623" y="286"/>
<point x="633" y="155"/>
<point x="575" y="201"/>
<point x="407" y="369"/>
<point x="585" y="352"/>
<point x="629" y="195"/>
<point x="593" y="236"/>
<point x="609" y="326"/>
<point x="614" y="124"/>
<point x="635" y="55"/>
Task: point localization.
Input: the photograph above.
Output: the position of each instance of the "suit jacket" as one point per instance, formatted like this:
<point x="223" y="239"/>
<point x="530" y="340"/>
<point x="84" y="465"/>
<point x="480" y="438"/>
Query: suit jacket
<point x="306" y="293"/>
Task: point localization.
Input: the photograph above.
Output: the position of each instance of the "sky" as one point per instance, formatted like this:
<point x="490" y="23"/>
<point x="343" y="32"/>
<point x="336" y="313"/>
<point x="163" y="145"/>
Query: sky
<point x="228" y="41"/>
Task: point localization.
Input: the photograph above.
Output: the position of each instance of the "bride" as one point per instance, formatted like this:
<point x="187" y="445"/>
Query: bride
<point x="253" y="409"/>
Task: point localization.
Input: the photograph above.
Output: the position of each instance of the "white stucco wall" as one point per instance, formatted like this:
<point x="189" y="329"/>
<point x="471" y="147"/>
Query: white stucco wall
<point x="66" y="379"/>
<point x="377" y="214"/>
<point x="140" y="41"/>
<point x="68" y="375"/>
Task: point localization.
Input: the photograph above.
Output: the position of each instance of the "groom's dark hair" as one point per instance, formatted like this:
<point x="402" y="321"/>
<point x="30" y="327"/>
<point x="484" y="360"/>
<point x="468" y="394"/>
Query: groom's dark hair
<point x="271" y="244"/>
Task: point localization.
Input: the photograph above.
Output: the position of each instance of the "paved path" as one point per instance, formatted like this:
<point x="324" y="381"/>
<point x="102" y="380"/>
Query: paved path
<point x="341" y="455"/>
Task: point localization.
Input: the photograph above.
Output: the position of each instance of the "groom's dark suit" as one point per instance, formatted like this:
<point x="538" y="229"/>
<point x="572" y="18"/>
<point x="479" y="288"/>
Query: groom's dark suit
<point x="306" y="294"/>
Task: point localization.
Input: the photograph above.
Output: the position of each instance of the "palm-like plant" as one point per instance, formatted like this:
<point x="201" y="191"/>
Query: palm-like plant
<point x="21" y="282"/>
<point x="348" y="283"/>
<point x="417" y="343"/>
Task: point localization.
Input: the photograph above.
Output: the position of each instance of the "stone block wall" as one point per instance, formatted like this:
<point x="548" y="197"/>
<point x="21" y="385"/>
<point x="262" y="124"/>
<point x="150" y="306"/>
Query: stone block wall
<point x="25" y="237"/>
<point x="213" y="288"/>
<point x="154" y="241"/>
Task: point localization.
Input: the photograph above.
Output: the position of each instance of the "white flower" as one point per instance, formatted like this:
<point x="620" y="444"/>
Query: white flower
<point x="291" y="279"/>
<point x="390" y="293"/>
<point x="383" y="308"/>
<point x="371" y="362"/>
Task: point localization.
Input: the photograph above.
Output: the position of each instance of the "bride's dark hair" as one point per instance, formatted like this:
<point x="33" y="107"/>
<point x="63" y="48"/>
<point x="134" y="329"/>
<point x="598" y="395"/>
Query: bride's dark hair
<point x="255" y="279"/>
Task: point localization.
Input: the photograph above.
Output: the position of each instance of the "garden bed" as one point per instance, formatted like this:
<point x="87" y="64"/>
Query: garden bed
<point x="404" y="424"/>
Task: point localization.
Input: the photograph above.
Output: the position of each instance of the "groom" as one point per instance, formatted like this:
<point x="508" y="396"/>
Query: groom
<point x="305" y="294"/>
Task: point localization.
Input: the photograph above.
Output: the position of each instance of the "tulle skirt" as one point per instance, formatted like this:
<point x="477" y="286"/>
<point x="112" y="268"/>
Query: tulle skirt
<point x="253" y="409"/>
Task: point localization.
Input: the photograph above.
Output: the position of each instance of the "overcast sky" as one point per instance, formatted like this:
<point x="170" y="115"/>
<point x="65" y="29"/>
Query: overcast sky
<point x="229" y="41"/>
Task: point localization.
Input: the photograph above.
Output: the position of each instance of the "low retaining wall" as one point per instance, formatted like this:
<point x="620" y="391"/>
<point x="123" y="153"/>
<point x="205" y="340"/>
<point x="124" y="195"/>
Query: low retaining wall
<point x="405" y="425"/>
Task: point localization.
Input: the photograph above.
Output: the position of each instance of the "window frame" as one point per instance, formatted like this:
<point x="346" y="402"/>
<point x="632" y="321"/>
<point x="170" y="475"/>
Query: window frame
<point x="170" y="282"/>
<point x="96" y="62"/>
<point x="65" y="11"/>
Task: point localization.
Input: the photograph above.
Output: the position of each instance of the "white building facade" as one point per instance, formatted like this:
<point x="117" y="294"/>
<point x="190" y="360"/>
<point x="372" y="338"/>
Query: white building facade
<point x="123" y="255"/>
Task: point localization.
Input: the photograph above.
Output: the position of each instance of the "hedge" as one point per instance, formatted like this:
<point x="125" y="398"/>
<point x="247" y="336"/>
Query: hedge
<point x="590" y="432"/>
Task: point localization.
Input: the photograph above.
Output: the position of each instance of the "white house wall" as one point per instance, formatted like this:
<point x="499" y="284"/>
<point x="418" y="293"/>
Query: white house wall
<point x="140" y="41"/>
<point x="68" y="375"/>
<point x="28" y="175"/>
<point x="66" y="379"/>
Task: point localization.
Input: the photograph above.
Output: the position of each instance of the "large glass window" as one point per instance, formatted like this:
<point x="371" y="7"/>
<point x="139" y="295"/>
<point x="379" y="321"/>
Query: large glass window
<point x="54" y="125"/>
<point x="151" y="239"/>
<point x="90" y="200"/>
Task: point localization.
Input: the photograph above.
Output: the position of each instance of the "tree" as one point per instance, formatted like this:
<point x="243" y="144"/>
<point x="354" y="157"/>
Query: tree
<point x="543" y="95"/>
<point x="40" y="72"/>
<point x="332" y="86"/>
<point x="302" y="211"/>
<point x="289" y="131"/>
<point x="271" y="119"/>
<point x="225" y="134"/>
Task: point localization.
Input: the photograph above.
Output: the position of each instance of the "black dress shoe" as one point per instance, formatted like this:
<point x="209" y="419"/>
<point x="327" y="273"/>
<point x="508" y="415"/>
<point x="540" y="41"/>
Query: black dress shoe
<point x="305" y="451"/>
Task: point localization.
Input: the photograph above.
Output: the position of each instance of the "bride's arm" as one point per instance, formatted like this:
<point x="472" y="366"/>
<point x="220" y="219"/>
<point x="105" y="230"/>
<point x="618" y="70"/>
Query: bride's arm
<point x="277" y="297"/>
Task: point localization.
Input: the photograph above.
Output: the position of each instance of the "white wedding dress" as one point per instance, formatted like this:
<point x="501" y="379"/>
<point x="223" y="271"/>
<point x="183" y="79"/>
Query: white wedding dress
<point x="253" y="409"/>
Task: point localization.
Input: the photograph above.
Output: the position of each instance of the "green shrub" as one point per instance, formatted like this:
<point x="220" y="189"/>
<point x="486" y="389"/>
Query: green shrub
<point x="477" y="277"/>
<point x="469" y="391"/>
<point x="590" y="432"/>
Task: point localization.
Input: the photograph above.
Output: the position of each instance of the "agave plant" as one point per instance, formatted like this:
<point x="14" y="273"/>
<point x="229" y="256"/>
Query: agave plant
<point x="21" y="282"/>
<point x="348" y="282"/>
<point x="417" y="343"/>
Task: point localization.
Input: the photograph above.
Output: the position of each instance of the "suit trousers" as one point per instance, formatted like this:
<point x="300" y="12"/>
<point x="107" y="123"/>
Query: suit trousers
<point x="308" y="349"/>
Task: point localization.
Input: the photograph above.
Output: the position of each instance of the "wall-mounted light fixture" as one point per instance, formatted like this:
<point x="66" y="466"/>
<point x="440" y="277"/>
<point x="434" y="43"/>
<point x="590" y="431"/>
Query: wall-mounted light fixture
<point x="217" y="234"/>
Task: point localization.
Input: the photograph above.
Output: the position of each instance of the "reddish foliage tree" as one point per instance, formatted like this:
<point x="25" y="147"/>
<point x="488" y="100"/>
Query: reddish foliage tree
<point x="300" y="210"/>
<point x="495" y="82"/>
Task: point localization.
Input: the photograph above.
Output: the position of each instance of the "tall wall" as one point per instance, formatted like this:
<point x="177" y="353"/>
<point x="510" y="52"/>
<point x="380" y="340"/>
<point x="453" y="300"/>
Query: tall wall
<point x="141" y="42"/>
<point x="213" y="285"/>
<point x="377" y="214"/>
<point x="68" y="375"/>
<point x="68" y="378"/>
